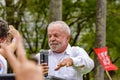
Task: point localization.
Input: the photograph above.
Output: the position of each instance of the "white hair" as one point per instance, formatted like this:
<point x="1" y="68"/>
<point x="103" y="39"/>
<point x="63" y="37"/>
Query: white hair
<point x="63" y="26"/>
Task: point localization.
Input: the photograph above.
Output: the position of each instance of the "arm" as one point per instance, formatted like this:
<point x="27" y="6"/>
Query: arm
<point x="80" y="61"/>
<point x="23" y="68"/>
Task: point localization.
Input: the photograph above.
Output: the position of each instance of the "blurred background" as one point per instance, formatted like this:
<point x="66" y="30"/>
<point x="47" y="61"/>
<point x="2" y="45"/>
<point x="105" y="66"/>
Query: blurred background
<point x="31" y="18"/>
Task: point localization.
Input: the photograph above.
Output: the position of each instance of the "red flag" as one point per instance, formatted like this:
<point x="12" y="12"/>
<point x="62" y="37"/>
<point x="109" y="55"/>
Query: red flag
<point x="102" y="54"/>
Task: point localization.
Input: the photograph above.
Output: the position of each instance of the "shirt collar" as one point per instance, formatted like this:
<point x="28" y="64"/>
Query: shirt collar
<point x="68" y="49"/>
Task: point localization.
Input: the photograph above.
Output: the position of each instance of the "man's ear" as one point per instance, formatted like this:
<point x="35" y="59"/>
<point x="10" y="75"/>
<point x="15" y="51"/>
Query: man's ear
<point x="68" y="38"/>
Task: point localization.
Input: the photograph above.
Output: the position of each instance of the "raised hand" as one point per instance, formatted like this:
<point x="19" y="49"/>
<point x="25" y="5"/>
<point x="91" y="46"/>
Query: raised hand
<point x="23" y="68"/>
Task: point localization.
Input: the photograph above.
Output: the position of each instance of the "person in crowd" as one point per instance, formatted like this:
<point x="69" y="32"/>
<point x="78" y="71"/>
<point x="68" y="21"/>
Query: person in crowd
<point x="23" y="68"/>
<point x="7" y="39"/>
<point x="64" y="61"/>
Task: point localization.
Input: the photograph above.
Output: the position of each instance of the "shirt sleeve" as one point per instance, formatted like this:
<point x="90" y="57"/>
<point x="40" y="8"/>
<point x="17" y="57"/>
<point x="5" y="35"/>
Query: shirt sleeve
<point x="81" y="60"/>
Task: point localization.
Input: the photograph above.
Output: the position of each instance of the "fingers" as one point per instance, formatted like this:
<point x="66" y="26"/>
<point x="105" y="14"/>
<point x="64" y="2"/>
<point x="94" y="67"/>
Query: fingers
<point x="10" y="56"/>
<point x="43" y="64"/>
<point x="45" y="67"/>
<point x="66" y="62"/>
<point x="13" y="31"/>
<point x="45" y="70"/>
<point x="20" y="51"/>
<point x="60" y="65"/>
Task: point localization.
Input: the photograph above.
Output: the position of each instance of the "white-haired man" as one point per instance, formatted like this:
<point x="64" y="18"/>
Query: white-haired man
<point x="64" y="61"/>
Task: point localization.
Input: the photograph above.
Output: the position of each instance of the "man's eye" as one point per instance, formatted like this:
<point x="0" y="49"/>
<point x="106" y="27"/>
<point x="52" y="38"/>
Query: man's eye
<point x="49" y="36"/>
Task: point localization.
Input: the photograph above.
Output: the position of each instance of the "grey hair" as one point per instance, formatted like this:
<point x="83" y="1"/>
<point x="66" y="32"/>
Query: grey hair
<point x="64" y="26"/>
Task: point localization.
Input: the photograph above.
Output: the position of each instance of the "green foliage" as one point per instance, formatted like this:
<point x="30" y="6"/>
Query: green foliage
<point x="40" y="6"/>
<point x="31" y="18"/>
<point x="112" y="38"/>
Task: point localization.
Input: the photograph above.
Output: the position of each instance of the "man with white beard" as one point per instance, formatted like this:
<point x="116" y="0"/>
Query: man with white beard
<point x="64" y="61"/>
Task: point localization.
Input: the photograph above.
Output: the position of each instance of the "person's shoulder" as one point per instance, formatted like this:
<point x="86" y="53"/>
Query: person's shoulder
<point x="77" y="48"/>
<point x="3" y="65"/>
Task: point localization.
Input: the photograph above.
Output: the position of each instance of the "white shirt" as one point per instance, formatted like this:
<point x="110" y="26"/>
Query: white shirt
<point x="3" y="65"/>
<point x="75" y="72"/>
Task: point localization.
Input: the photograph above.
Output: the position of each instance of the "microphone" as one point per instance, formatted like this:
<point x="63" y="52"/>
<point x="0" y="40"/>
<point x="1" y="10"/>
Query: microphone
<point x="44" y="58"/>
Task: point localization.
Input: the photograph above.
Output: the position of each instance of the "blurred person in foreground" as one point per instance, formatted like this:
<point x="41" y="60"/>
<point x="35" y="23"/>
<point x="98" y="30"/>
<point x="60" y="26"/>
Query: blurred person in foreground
<point x="9" y="40"/>
<point x="23" y="68"/>
<point x="64" y="61"/>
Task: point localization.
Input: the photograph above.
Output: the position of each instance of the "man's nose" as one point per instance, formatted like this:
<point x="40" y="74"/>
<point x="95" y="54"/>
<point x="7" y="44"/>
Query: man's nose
<point x="52" y="38"/>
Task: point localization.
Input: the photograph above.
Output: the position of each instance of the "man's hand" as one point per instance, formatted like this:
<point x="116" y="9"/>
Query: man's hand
<point x="66" y="62"/>
<point x="45" y="68"/>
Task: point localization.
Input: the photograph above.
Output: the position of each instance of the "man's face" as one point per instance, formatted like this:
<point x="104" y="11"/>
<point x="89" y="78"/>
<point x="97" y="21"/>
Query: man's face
<point x="57" y="39"/>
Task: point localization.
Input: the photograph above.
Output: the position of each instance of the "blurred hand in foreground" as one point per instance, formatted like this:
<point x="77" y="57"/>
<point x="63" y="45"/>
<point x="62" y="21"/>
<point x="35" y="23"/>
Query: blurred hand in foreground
<point x="23" y="68"/>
